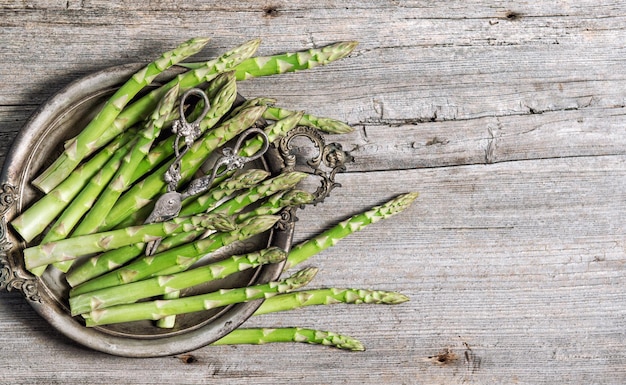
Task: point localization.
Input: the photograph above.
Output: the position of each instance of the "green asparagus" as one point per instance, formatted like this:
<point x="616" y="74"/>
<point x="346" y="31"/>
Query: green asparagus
<point x="208" y="201"/>
<point x="330" y="237"/>
<point x="102" y="263"/>
<point x="330" y="296"/>
<point x="240" y="202"/>
<point x="112" y="259"/>
<point x="135" y="291"/>
<point x="80" y="205"/>
<point x="122" y="179"/>
<point x="83" y="144"/>
<point x="34" y="220"/>
<point x="168" y="322"/>
<point x="141" y="193"/>
<point x="107" y="289"/>
<point x="254" y="102"/>
<point x="154" y="310"/>
<point x="328" y="125"/>
<point x="206" y="72"/>
<point x="264" y="189"/>
<point x="277" y="202"/>
<point x="72" y="248"/>
<point x="291" y="61"/>
<point x="259" y="336"/>
<point x="222" y="92"/>
<point x="177" y="259"/>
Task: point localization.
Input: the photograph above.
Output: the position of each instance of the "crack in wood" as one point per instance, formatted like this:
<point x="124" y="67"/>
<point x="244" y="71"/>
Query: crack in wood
<point x="396" y="122"/>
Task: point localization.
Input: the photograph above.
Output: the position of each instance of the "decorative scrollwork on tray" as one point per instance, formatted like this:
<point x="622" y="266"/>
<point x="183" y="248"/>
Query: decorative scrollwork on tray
<point x="329" y="160"/>
<point x="7" y="197"/>
<point x="331" y="155"/>
<point x="10" y="278"/>
<point x="287" y="216"/>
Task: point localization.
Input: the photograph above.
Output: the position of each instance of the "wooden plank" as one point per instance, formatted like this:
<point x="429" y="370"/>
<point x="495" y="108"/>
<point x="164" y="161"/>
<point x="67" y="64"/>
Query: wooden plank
<point x="508" y="118"/>
<point x="501" y="264"/>
<point x="582" y="132"/>
<point x="513" y="67"/>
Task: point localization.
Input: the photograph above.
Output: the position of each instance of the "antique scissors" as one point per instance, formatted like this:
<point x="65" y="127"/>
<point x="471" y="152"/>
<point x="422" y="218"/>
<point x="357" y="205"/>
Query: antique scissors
<point x="169" y="204"/>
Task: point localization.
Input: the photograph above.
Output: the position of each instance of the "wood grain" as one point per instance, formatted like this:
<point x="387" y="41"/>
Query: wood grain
<point x="507" y="117"/>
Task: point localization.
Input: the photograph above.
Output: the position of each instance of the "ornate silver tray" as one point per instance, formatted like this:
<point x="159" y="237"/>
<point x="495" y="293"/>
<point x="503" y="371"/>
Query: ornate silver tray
<point x="40" y="140"/>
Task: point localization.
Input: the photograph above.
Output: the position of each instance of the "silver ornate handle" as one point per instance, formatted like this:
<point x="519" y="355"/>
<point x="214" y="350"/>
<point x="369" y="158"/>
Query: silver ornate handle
<point x="331" y="155"/>
<point x="229" y="161"/>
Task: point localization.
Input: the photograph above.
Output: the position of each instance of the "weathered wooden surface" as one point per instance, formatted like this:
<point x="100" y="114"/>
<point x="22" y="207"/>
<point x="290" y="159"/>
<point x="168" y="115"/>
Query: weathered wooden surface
<point x="508" y="117"/>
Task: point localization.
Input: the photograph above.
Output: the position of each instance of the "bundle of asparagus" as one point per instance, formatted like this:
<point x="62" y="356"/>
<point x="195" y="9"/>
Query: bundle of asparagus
<point x="90" y="221"/>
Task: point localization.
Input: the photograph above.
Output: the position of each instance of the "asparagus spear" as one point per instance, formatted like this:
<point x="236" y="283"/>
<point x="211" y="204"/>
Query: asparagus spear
<point x="330" y="296"/>
<point x="85" y="199"/>
<point x="81" y="204"/>
<point x="267" y="188"/>
<point x="112" y="259"/>
<point x="235" y="205"/>
<point x="330" y="237"/>
<point x="290" y="62"/>
<point x="259" y="336"/>
<point x="154" y="310"/>
<point x="205" y="72"/>
<point x="83" y="144"/>
<point x="177" y="259"/>
<point x="250" y="147"/>
<point x="37" y="217"/>
<point x="264" y="189"/>
<point x="102" y="263"/>
<point x="220" y="103"/>
<point x="240" y="202"/>
<point x="122" y="179"/>
<point x="277" y="202"/>
<point x="133" y="114"/>
<point x="259" y="101"/>
<point x="206" y="202"/>
<point x="247" y="179"/>
<point x="168" y="322"/>
<point x="141" y="193"/>
<point x="72" y="248"/>
<point x="164" y="284"/>
<point x="328" y="125"/>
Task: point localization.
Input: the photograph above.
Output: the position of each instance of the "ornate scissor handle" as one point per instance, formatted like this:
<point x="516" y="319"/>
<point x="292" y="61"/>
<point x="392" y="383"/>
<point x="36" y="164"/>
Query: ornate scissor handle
<point x="187" y="130"/>
<point x="182" y="127"/>
<point x="229" y="161"/>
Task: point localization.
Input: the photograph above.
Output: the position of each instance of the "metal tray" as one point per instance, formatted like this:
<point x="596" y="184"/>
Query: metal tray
<point x="59" y="119"/>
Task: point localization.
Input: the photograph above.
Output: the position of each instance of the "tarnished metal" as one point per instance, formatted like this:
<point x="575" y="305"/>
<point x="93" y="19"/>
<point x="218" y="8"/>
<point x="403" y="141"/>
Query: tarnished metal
<point x="330" y="156"/>
<point x="329" y="160"/>
<point x="169" y="204"/>
<point x="11" y="278"/>
<point x="188" y="131"/>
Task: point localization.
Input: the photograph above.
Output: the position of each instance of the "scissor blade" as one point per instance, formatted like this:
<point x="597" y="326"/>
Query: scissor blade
<point x="166" y="207"/>
<point x="151" y="247"/>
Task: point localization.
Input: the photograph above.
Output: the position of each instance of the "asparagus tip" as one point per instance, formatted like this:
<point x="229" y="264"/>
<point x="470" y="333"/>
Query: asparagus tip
<point x="258" y="224"/>
<point x="393" y="298"/>
<point x="272" y="255"/>
<point x="400" y="202"/>
<point x="300" y="278"/>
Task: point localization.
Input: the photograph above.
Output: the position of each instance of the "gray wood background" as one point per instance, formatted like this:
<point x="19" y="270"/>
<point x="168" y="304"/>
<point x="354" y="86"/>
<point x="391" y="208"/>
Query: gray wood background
<point x="507" y="117"/>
